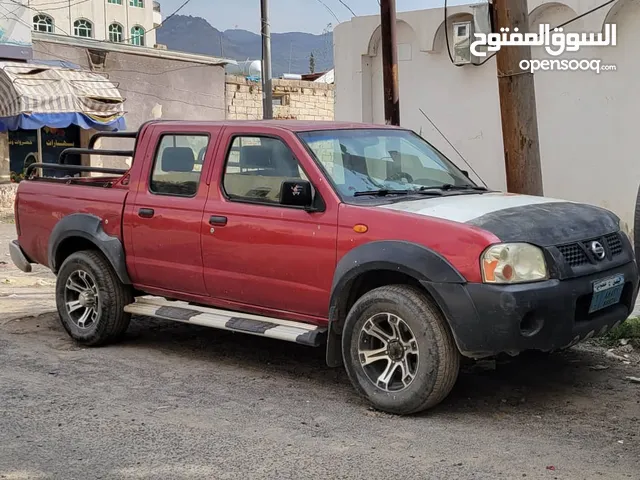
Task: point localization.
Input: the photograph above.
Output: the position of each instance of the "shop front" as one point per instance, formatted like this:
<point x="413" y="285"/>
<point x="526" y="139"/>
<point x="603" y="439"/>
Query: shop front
<point x="43" y="109"/>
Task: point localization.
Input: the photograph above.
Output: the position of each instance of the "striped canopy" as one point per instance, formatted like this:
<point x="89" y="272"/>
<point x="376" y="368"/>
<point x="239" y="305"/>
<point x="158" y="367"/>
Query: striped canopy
<point x="32" y="96"/>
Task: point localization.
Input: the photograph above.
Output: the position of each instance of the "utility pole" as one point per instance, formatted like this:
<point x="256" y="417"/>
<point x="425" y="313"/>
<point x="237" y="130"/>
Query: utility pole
<point x="517" y="103"/>
<point x="267" y="93"/>
<point x="389" y="62"/>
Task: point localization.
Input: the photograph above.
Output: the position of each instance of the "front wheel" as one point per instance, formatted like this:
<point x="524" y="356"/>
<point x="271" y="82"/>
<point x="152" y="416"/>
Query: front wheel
<point x="91" y="299"/>
<point x="398" y="350"/>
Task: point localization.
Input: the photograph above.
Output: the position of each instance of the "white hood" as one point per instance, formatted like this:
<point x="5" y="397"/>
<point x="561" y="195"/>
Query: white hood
<point x="464" y="208"/>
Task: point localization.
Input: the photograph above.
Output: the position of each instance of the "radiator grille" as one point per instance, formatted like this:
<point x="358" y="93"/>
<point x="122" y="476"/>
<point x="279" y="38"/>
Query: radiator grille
<point x="576" y="254"/>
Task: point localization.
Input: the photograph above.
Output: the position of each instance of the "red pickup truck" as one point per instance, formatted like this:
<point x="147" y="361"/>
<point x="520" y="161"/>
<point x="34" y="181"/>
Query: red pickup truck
<point x="363" y="238"/>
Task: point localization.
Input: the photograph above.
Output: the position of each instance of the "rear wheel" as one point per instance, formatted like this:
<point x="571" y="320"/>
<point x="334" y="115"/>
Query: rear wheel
<point x="91" y="299"/>
<point x="399" y="352"/>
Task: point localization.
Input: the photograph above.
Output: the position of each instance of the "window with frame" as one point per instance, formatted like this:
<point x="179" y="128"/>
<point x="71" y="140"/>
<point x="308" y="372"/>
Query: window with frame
<point x="136" y="3"/>
<point x="178" y="164"/>
<point x="83" y="28"/>
<point x="257" y="166"/>
<point x="137" y="36"/>
<point x="115" y="2"/>
<point x="43" y="23"/>
<point x="115" y="33"/>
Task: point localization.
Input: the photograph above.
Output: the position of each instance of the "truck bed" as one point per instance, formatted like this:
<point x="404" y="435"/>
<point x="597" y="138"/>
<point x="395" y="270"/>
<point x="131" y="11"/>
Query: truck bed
<point x="42" y="203"/>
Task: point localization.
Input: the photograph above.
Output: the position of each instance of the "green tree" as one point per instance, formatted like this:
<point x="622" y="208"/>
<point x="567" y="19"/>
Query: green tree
<point x="312" y="63"/>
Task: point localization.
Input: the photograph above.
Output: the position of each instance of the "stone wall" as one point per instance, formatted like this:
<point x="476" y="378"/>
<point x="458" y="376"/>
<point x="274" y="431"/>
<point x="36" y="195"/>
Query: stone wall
<point x="292" y="99"/>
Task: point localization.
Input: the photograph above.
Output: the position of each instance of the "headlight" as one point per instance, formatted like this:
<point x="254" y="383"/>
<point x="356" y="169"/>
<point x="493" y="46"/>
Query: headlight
<point x="513" y="263"/>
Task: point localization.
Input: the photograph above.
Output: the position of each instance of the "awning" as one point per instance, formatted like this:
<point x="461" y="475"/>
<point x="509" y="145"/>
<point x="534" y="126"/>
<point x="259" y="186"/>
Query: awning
<point x="34" y="95"/>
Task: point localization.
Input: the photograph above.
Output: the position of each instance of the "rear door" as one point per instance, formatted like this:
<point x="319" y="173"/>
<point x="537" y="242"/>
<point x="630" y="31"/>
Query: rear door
<point x="257" y="252"/>
<point x="165" y="216"/>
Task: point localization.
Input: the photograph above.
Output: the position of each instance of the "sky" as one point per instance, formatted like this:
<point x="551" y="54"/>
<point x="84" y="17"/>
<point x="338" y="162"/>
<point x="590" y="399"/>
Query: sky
<point x="287" y="15"/>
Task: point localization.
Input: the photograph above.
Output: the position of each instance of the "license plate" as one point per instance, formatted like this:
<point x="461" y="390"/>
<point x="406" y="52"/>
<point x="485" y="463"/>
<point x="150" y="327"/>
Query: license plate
<point x="606" y="292"/>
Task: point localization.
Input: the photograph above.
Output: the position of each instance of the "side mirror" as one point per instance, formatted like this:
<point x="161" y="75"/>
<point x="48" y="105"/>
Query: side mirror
<point x="296" y="193"/>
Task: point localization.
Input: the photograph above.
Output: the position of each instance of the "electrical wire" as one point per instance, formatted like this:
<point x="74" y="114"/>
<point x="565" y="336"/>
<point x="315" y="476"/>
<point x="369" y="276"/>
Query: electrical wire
<point x="451" y="145"/>
<point x="126" y="40"/>
<point x="39" y="12"/>
<point x="150" y="83"/>
<point x="578" y="17"/>
<point x="175" y="12"/>
<point x="65" y="5"/>
<point x="329" y="10"/>
<point x="349" y="8"/>
<point x="446" y="35"/>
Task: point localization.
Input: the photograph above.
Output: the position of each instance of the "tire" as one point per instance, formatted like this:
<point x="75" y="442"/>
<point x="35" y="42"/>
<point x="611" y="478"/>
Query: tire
<point x="432" y="358"/>
<point x="87" y="282"/>
<point x="636" y="229"/>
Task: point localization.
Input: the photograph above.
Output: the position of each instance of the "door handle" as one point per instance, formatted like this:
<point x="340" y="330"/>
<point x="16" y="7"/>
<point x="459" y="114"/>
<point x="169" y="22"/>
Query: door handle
<point x="146" y="212"/>
<point x="217" y="220"/>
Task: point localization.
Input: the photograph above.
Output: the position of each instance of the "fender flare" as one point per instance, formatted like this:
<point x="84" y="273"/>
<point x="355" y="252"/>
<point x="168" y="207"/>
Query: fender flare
<point x="89" y="227"/>
<point x="416" y="261"/>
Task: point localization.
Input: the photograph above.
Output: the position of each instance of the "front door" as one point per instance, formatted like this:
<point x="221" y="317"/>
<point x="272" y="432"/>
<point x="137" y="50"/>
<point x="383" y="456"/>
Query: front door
<point x="255" y="251"/>
<point x="167" y="213"/>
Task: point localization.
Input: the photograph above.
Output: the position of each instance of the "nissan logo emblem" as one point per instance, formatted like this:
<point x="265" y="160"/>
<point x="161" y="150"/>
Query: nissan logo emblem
<point x="598" y="250"/>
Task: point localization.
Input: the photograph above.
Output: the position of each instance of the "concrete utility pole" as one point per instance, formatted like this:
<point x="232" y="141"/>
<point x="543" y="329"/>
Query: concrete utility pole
<point x="517" y="103"/>
<point x="390" y="62"/>
<point x="267" y="92"/>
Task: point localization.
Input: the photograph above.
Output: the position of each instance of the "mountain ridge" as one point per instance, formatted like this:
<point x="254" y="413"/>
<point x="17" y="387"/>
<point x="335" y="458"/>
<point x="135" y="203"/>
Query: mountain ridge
<point x="290" y="51"/>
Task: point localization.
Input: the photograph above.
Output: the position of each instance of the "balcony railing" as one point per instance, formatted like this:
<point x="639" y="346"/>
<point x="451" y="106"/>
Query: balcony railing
<point x="156" y="7"/>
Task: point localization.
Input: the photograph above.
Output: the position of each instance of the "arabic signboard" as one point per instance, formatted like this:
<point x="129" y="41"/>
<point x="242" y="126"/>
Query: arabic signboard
<point x="54" y="141"/>
<point x="15" y="30"/>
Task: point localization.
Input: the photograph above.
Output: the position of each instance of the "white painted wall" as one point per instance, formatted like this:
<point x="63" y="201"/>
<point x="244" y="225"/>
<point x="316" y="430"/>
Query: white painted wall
<point x="587" y="122"/>
<point x="102" y="14"/>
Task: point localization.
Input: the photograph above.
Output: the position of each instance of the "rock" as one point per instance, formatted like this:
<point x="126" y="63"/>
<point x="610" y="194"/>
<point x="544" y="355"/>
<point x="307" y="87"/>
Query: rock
<point x="613" y="356"/>
<point x="598" y="367"/>
<point x="632" y="379"/>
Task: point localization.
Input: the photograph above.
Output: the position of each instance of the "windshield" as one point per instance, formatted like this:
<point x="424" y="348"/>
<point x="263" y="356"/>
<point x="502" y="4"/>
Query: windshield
<point x="359" y="161"/>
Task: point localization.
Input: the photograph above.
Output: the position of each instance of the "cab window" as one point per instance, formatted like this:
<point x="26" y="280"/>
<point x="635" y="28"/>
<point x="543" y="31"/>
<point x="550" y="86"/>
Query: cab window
<point x="257" y="166"/>
<point x="178" y="164"/>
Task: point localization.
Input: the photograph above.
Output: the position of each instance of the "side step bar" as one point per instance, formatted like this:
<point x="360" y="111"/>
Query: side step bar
<point x="297" y="332"/>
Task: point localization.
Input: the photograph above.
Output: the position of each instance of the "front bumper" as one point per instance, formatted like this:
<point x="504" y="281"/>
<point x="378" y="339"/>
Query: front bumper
<point x="18" y="257"/>
<point x="490" y="319"/>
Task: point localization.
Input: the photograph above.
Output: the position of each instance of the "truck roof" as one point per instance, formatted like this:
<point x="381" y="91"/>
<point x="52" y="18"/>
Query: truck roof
<point x="290" y="125"/>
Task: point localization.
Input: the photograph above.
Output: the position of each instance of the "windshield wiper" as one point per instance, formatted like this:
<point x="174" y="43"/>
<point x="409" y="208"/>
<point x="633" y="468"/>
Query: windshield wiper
<point x="386" y="191"/>
<point x="449" y="186"/>
<point x="383" y="192"/>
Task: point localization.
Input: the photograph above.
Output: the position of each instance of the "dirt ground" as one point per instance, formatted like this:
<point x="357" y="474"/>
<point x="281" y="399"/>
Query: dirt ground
<point x="184" y="402"/>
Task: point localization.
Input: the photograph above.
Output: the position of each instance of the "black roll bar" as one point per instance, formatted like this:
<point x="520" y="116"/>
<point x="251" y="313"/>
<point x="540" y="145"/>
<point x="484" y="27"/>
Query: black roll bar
<point x="73" y="168"/>
<point x="90" y="151"/>
<point x="96" y="136"/>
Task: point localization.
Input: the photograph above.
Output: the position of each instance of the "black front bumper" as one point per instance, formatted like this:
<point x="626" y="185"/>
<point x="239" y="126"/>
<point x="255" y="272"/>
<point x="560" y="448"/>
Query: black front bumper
<point x="490" y="319"/>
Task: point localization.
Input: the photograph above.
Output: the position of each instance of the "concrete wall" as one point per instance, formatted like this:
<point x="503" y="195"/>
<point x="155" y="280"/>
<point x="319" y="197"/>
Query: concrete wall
<point x="587" y="121"/>
<point x="300" y="100"/>
<point x="101" y="14"/>
<point x="154" y="88"/>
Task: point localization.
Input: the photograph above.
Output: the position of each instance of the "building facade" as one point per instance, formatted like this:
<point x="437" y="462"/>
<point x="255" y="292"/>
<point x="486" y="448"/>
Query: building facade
<point x="156" y="84"/>
<point x="117" y="21"/>
<point x="587" y="121"/>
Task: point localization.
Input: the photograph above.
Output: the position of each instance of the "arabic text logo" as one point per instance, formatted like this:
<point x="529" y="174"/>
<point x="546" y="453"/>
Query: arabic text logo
<point x="555" y="43"/>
